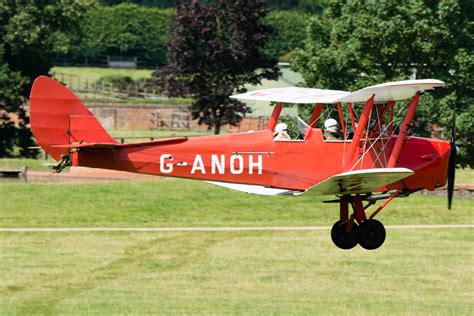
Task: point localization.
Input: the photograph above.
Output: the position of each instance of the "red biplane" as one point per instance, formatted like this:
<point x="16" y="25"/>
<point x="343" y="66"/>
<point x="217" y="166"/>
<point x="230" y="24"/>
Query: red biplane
<point x="368" y="163"/>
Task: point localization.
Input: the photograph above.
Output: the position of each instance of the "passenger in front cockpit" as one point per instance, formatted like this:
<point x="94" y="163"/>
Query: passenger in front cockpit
<point x="281" y="132"/>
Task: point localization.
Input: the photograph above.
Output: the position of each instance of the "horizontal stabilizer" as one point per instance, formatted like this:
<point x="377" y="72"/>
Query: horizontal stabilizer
<point x="167" y="141"/>
<point x="359" y="181"/>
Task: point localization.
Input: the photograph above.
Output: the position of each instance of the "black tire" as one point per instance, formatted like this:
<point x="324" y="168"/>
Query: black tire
<point x="342" y="239"/>
<point x="371" y="234"/>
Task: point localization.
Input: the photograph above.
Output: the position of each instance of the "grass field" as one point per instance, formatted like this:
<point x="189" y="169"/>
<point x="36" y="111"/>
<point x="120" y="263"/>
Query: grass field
<point x="20" y="163"/>
<point x="184" y="203"/>
<point x="465" y="175"/>
<point x="92" y="74"/>
<point x="77" y="77"/>
<point x="415" y="272"/>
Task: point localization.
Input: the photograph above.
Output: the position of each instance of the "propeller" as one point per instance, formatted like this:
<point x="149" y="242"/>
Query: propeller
<point x="452" y="161"/>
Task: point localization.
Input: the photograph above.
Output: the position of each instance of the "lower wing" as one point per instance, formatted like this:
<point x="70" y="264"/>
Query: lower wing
<point x="359" y="181"/>
<point x="353" y="182"/>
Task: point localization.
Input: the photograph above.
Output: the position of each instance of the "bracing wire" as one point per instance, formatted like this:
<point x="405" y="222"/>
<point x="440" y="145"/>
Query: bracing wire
<point x="323" y="114"/>
<point x="379" y="137"/>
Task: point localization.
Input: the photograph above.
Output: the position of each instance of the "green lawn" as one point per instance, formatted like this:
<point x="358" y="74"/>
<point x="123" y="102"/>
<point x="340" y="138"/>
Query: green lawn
<point x="77" y="77"/>
<point x="20" y="163"/>
<point x="465" y="175"/>
<point x="183" y="203"/>
<point x="415" y="272"/>
<point x="92" y="74"/>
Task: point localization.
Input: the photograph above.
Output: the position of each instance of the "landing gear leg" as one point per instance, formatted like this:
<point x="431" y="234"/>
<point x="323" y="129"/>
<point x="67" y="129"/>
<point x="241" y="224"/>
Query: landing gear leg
<point x="347" y="232"/>
<point x="371" y="233"/>
<point x="344" y="231"/>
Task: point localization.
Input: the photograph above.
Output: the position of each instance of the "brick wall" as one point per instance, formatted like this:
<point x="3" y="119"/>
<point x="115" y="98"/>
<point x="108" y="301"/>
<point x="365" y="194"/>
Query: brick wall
<point x="120" y="116"/>
<point x="163" y="116"/>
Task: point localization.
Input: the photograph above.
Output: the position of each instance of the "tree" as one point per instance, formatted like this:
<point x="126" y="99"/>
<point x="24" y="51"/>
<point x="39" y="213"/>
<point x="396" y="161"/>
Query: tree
<point x="31" y="33"/>
<point x="306" y="5"/>
<point x="291" y="32"/>
<point x="215" y="49"/>
<point x="359" y="43"/>
<point x="149" y="3"/>
<point x="125" y="30"/>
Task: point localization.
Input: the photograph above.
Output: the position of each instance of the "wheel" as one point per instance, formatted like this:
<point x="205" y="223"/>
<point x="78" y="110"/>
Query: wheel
<point x="341" y="238"/>
<point x="371" y="234"/>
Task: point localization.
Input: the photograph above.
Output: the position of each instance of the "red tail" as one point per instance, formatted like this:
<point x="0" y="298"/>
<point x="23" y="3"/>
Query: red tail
<point x="58" y="117"/>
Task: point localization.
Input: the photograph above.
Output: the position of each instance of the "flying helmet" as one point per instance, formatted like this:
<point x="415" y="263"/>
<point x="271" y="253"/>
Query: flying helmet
<point x="281" y="127"/>
<point x="330" y="125"/>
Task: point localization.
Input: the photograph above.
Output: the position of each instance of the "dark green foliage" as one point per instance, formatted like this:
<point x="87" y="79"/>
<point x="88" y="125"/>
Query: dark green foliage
<point x="8" y="133"/>
<point x="132" y="30"/>
<point x="125" y="30"/>
<point x="149" y="3"/>
<point x="31" y="33"/>
<point x="213" y="51"/>
<point x="306" y="5"/>
<point x="291" y="32"/>
<point x="359" y="43"/>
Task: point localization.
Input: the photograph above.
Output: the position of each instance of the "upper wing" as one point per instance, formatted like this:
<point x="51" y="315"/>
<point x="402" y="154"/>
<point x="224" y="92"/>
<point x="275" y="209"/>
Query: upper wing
<point x="359" y="181"/>
<point x="293" y="95"/>
<point x="390" y="91"/>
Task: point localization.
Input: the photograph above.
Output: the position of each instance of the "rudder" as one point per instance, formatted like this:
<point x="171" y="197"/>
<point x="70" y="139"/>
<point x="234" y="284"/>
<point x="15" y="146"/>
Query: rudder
<point x="58" y="117"/>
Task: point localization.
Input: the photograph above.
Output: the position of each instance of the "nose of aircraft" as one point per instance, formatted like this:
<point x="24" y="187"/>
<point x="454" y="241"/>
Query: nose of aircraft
<point x="447" y="151"/>
<point x="444" y="150"/>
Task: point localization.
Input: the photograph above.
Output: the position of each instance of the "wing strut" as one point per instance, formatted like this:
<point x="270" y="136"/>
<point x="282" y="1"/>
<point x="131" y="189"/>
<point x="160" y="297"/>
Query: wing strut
<point x="315" y="114"/>
<point x="354" y="147"/>
<point x="402" y="135"/>
<point x="274" y="118"/>
<point x="341" y="119"/>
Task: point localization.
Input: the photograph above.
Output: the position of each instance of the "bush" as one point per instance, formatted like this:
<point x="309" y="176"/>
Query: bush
<point x="116" y="81"/>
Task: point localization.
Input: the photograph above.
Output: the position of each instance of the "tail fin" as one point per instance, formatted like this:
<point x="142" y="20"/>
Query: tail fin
<point x="58" y="117"/>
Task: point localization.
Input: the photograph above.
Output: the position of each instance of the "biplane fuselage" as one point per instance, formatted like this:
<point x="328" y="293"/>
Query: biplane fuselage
<point x="255" y="158"/>
<point x="371" y="158"/>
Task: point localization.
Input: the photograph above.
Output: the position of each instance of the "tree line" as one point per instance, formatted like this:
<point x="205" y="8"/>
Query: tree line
<point x="131" y="30"/>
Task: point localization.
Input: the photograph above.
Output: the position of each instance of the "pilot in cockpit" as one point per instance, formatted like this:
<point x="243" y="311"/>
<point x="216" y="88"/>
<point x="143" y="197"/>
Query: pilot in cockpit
<point x="331" y="130"/>
<point x="281" y="132"/>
